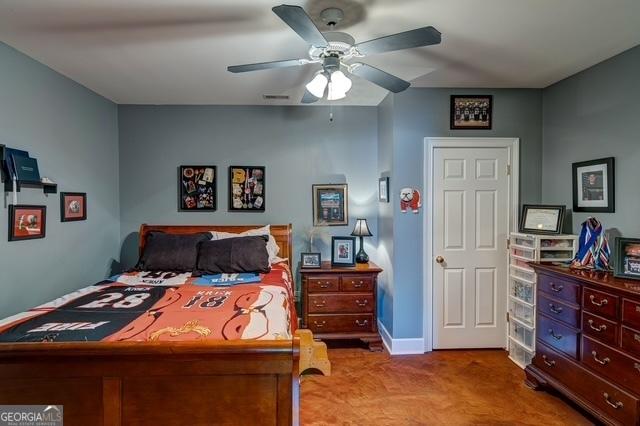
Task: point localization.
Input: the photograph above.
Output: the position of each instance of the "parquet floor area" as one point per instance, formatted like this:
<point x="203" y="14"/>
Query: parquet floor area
<point x="481" y="387"/>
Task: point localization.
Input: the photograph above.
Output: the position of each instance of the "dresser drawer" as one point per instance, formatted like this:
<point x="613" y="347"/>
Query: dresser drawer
<point x="602" y="329"/>
<point x="631" y="313"/>
<point x="559" y="311"/>
<point x="631" y="340"/>
<point x="323" y="283"/>
<point x="559" y="288"/>
<point x="558" y="336"/>
<point x="622" y="369"/>
<point x="615" y="402"/>
<point x="341" y="323"/>
<point x="599" y="303"/>
<point x="340" y="303"/>
<point x="356" y="283"/>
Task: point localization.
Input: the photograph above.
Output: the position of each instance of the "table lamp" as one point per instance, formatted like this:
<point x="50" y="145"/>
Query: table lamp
<point x="361" y="230"/>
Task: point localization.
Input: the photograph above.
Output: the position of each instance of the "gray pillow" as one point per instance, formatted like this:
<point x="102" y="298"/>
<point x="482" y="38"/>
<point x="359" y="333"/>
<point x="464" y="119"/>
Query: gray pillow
<point x="233" y="255"/>
<point x="171" y="252"/>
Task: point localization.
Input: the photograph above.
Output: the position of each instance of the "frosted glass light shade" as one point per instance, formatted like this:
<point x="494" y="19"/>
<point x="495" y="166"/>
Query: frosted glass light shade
<point x="317" y="85"/>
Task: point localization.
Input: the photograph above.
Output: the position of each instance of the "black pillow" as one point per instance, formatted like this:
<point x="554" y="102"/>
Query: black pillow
<point x="171" y="252"/>
<point x="233" y="255"/>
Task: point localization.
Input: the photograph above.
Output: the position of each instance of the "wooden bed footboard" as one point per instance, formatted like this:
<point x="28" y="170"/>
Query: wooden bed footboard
<point x="163" y="383"/>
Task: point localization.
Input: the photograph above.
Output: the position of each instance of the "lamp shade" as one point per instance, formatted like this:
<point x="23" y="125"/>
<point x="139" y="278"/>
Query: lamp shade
<point x="317" y="86"/>
<point x="339" y="85"/>
<point x="361" y="229"/>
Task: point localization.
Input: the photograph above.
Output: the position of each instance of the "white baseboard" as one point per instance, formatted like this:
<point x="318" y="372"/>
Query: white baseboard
<point x="400" y="346"/>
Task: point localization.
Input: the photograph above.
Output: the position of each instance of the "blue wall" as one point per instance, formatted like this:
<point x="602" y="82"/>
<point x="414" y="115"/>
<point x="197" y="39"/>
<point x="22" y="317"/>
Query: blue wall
<point x="420" y="113"/>
<point x="596" y="114"/>
<point x="298" y="146"/>
<point x="74" y="135"/>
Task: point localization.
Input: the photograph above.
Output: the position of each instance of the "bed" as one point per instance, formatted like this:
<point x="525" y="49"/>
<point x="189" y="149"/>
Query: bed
<point x="155" y="372"/>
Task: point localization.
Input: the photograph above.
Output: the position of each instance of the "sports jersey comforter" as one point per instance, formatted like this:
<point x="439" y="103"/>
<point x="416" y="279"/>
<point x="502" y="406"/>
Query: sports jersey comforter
<point x="157" y="306"/>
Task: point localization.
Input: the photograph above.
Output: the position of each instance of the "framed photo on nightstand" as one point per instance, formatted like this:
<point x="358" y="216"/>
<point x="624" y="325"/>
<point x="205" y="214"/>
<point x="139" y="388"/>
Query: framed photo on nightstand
<point x="343" y="251"/>
<point x="310" y="260"/>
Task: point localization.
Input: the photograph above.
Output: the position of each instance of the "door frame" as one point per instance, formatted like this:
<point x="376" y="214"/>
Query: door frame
<point x="430" y="144"/>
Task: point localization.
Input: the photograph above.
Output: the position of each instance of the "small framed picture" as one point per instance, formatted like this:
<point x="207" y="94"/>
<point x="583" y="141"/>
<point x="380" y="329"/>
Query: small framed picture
<point x="383" y="189"/>
<point x="343" y="251"/>
<point x="310" y="260"/>
<point x="247" y="189"/>
<point x="627" y="263"/>
<point x="539" y="219"/>
<point x="73" y="206"/>
<point x="330" y="205"/>
<point x="471" y="112"/>
<point x="27" y="222"/>
<point x="594" y="186"/>
<point x="197" y="188"/>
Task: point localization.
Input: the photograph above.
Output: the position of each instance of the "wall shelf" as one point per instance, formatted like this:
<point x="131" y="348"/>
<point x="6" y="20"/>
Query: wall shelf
<point x="47" y="188"/>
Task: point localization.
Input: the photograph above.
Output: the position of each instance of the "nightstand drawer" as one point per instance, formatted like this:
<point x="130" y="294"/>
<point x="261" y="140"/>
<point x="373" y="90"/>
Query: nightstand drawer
<point x="340" y="323"/>
<point x="340" y="303"/>
<point x="356" y="283"/>
<point x="320" y="283"/>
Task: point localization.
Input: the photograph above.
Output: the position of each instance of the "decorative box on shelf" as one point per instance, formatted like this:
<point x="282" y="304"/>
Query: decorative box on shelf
<point x="525" y="248"/>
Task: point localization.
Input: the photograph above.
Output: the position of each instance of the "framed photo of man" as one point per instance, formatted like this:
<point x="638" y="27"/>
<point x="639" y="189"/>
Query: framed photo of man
<point x="594" y="186"/>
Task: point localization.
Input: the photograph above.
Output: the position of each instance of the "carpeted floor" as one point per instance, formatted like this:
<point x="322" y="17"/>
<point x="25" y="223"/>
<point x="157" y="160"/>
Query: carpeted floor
<point x="481" y="387"/>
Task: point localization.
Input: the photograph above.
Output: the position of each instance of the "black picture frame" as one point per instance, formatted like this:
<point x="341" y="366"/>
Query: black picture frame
<point x="340" y="260"/>
<point x="65" y="215"/>
<point x="252" y="197"/>
<point x="627" y="265"/>
<point x="325" y="213"/>
<point x="15" y="210"/>
<point x="528" y="209"/>
<point x="310" y="260"/>
<point x="463" y="114"/>
<point x="592" y="178"/>
<point x="197" y="188"/>
<point x="383" y="189"/>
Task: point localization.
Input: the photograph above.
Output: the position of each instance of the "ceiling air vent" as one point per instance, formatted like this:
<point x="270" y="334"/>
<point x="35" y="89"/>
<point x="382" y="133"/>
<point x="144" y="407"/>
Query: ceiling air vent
<point x="276" y="97"/>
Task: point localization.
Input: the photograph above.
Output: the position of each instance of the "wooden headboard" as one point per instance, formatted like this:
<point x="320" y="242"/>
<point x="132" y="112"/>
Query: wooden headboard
<point x="282" y="233"/>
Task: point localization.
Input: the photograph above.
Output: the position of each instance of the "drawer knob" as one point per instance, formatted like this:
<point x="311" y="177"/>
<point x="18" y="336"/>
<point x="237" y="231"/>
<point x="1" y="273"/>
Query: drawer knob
<point x="325" y="285"/>
<point x="617" y="405"/>
<point x="551" y="363"/>
<point x="362" y="303"/>
<point x="554" y="309"/>
<point x="362" y="324"/>
<point x="599" y="329"/>
<point x="319" y="324"/>
<point x="598" y="360"/>
<point x="320" y="305"/>
<point x="554" y="335"/>
<point x="356" y="285"/>
<point x="556" y="288"/>
<point x="600" y="303"/>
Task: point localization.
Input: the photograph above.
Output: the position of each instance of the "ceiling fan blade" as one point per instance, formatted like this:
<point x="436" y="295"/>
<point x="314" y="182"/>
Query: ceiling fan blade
<point x="379" y="77"/>
<point x="299" y="21"/>
<point x="267" y="65"/>
<point x="308" y="98"/>
<point x="415" y="38"/>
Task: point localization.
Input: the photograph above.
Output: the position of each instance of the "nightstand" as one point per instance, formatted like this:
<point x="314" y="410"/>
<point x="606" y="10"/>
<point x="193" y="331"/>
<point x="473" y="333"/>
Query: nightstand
<point x="340" y="302"/>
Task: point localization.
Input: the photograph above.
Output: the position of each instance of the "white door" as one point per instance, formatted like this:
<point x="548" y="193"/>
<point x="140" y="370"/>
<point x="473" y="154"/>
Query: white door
<point x="471" y="212"/>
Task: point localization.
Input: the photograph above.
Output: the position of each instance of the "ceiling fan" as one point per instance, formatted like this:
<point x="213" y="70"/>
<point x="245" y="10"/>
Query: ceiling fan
<point x="333" y="49"/>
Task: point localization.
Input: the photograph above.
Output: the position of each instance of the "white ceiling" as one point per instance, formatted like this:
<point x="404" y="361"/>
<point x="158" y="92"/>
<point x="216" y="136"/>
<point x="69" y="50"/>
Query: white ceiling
<point x="177" y="51"/>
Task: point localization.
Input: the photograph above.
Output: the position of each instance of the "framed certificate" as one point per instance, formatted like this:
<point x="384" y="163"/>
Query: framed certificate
<point x="539" y="219"/>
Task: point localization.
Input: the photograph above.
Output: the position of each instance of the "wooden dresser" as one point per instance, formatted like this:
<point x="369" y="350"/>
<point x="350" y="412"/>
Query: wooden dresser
<point x="588" y="341"/>
<point x="340" y="303"/>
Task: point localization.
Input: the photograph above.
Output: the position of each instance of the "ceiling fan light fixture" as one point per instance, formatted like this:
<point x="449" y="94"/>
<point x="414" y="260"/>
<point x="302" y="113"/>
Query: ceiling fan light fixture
<point x="340" y="82"/>
<point x="317" y="86"/>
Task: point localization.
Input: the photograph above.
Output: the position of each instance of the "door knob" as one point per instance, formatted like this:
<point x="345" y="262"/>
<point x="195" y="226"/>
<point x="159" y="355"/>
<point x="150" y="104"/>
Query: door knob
<point x="440" y="259"/>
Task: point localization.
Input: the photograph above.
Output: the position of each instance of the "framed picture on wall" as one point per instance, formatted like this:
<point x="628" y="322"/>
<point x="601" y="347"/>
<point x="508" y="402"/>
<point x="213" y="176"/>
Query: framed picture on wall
<point x="594" y="186"/>
<point x="627" y="264"/>
<point x="330" y="205"/>
<point x="343" y="251"/>
<point x="471" y="112"/>
<point x="27" y="222"/>
<point x="73" y="206"/>
<point x="542" y="219"/>
<point x="247" y="188"/>
<point x="197" y="188"/>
